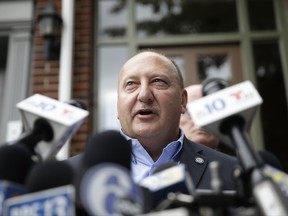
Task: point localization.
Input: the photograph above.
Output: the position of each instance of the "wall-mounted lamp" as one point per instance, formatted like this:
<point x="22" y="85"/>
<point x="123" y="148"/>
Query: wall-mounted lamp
<point x="50" y="25"/>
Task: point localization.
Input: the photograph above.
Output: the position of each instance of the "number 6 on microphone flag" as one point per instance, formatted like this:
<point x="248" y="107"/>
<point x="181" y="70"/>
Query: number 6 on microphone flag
<point x="108" y="189"/>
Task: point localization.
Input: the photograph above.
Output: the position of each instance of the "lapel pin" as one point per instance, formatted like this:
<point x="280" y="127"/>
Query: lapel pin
<point x="199" y="160"/>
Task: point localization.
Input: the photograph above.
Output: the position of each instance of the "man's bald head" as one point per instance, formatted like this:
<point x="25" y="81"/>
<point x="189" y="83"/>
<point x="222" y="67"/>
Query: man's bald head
<point x="153" y="53"/>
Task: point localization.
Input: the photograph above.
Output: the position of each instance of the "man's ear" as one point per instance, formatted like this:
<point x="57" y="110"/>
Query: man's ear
<point x="184" y="100"/>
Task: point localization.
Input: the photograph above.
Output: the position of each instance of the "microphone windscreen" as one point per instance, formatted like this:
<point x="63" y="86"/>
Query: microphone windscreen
<point x="77" y="103"/>
<point x="107" y="147"/>
<point x="49" y="174"/>
<point x="212" y="85"/>
<point x="15" y="163"/>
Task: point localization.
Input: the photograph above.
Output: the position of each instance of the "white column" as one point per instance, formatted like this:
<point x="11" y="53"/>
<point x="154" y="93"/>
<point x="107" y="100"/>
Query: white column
<point x="66" y="61"/>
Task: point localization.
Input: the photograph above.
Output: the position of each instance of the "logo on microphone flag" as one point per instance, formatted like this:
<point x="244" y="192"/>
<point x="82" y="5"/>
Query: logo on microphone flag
<point x="58" y="201"/>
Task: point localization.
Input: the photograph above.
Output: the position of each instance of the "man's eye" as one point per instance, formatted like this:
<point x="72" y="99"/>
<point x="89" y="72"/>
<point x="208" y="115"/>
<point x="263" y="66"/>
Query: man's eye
<point x="157" y="80"/>
<point x="129" y="83"/>
<point x="160" y="82"/>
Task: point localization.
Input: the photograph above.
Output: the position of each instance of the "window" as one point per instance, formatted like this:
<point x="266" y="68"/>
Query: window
<point x="112" y="15"/>
<point x="185" y="17"/>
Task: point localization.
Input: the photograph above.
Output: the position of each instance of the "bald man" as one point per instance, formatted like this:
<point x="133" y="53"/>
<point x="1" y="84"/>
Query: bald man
<point x="151" y="99"/>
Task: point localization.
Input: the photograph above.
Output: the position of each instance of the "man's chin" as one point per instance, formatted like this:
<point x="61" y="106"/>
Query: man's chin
<point x="196" y="133"/>
<point x="144" y="132"/>
<point x="201" y="136"/>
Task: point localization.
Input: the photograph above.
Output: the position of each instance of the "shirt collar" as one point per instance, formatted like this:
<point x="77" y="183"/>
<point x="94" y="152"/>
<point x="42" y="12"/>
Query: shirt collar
<point x="180" y="139"/>
<point x="170" y="152"/>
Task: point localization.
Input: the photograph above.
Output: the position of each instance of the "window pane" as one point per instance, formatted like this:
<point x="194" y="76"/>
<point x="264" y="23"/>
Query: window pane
<point x="169" y="17"/>
<point x="110" y="62"/>
<point x="210" y="66"/>
<point x="271" y="87"/>
<point x="113" y="19"/>
<point x="261" y="15"/>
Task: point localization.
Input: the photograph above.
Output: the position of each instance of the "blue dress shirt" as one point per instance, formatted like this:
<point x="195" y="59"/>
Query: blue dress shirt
<point x="143" y="165"/>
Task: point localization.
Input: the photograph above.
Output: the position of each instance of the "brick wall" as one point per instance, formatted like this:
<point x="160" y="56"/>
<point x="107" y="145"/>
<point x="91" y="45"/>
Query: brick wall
<point x="45" y="74"/>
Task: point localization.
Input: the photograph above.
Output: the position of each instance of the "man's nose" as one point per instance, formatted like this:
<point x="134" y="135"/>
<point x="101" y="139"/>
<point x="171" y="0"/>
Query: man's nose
<point x="145" y="94"/>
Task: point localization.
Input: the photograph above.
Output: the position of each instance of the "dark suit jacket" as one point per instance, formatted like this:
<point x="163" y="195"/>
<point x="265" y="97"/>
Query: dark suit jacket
<point x="196" y="157"/>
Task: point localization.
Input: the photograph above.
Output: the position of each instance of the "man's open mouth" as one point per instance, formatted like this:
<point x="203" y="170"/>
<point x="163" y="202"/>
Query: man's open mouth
<point x="145" y="112"/>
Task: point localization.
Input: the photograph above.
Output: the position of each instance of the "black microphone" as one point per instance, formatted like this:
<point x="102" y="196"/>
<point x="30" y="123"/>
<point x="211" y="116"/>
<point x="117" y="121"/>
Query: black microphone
<point x="105" y="183"/>
<point x="107" y="146"/>
<point x="77" y="103"/>
<point x="229" y="113"/>
<point x="40" y="177"/>
<point x="41" y="131"/>
<point x="50" y="191"/>
<point x="15" y="164"/>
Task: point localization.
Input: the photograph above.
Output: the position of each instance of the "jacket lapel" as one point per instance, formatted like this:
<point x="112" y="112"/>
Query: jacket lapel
<point x="195" y="162"/>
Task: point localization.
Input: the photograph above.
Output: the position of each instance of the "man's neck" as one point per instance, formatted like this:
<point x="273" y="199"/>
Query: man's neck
<point x="155" y="145"/>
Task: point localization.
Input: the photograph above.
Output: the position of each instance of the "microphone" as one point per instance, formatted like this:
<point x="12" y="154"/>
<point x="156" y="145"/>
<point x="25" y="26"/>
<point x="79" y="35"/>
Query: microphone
<point x="171" y="187"/>
<point x="50" y="192"/>
<point x="220" y="102"/>
<point x="39" y="178"/>
<point x="48" y="124"/>
<point x="77" y="103"/>
<point x="41" y="130"/>
<point x="107" y="146"/>
<point x="228" y="112"/>
<point x="108" y="189"/>
<point x="167" y="178"/>
<point x="105" y="185"/>
<point x="15" y="163"/>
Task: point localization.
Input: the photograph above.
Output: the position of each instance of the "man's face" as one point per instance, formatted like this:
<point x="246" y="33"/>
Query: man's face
<point x="200" y="135"/>
<point x="150" y="99"/>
